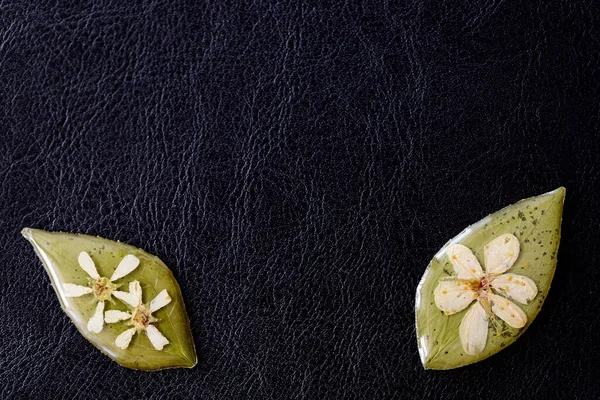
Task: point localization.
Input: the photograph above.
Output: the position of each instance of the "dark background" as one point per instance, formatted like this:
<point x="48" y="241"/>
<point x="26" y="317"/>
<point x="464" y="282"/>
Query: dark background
<point x="296" y="165"/>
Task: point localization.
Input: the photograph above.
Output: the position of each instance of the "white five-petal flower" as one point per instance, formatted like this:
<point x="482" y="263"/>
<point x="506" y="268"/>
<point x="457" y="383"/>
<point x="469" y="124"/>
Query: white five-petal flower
<point x="140" y="318"/>
<point x="472" y="283"/>
<point x="102" y="288"/>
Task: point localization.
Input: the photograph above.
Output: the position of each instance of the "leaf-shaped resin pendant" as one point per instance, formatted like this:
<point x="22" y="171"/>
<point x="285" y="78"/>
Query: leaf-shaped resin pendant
<point x="486" y="285"/>
<point x="125" y="301"/>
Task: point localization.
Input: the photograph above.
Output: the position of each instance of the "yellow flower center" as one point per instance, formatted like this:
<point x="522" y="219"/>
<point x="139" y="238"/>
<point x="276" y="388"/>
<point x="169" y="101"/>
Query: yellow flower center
<point x="103" y="289"/>
<point x="141" y="317"/>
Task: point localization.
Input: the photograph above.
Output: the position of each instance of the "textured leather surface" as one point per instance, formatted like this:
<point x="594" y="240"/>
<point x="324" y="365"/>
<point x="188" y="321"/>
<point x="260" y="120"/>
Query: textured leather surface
<point x="296" y="165"/>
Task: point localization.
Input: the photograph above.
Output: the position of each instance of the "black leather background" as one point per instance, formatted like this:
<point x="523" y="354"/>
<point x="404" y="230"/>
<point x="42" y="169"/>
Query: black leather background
<point x="296" y="165"/>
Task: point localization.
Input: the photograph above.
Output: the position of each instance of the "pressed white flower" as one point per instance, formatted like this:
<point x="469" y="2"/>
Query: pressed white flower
<point x="453" y="295"/>
<point x="102" y="288"/>
<point x="140" y="318"/>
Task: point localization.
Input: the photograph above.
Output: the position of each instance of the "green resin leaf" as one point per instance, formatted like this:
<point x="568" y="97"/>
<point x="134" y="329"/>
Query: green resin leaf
<point x="59" y="253"/>
<point x="536" y="222"/>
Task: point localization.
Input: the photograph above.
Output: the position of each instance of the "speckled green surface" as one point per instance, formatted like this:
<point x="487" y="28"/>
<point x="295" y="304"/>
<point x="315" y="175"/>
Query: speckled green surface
<point x="59" y="251"/>
<point x="536" y="223"/>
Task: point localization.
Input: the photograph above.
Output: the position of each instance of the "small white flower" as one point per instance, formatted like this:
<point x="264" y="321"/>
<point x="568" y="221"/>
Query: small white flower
<point x="102" y="288"/>
<point x="472" y="283"/>
<point x="140" y="318"/>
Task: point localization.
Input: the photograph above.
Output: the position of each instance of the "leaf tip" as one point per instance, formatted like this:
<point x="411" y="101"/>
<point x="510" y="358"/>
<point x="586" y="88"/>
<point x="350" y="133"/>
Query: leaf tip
<point x="27" y="233"/>
<point x="191" y="357"/>
<point x="424" y="351"/>
<point x="32" y="234"/>
<point x="559" y="193"/>
<point x="426" y="363"/>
